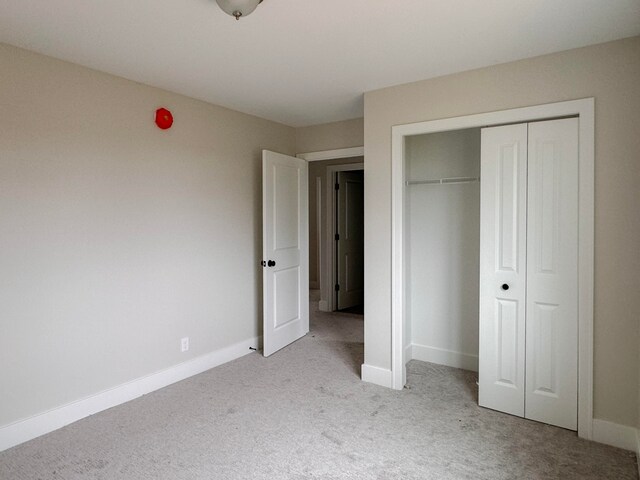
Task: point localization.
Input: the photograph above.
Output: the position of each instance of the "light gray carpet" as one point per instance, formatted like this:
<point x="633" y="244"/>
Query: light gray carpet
<point x="304" y="413"/>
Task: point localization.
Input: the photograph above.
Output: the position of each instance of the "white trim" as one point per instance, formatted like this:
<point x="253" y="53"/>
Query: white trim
<point x="30" y="428"/>
<point x="586" y="236"/>
<point x="442" y="356"/>
<point x="331" y="299"/>
<point x="332" y="154"/>
<point x="377" y="375"/>
<point x="318" y="282"/>
<point x="323" y="306"/>
<point x="614" y="434"/>
<point x="584" y="109"/>
<point x="398" y="194"/>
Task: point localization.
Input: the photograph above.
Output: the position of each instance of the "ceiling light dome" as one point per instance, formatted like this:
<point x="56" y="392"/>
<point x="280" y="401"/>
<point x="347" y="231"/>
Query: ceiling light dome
<point x="238" y="8"/>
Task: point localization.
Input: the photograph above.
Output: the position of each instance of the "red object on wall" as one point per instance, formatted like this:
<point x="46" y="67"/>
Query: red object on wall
<point x="164" y="119"/>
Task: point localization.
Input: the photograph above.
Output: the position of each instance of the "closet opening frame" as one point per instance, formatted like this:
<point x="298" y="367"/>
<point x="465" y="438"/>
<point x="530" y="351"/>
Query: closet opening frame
<point x="584" y="109"/>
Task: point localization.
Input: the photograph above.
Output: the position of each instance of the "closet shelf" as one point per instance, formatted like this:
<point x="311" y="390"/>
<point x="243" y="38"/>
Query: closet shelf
<point x="444" y="181"/>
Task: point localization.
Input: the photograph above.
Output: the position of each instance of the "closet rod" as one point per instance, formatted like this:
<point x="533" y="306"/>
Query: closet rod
<point x="444" y="181"/>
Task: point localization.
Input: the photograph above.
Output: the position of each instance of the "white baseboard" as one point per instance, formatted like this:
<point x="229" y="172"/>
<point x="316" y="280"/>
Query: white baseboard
<point x="616" y="435"/>
<point x="441" y="356"/>
<point x="377" y="375"/>
<point x="323" y="306"/>
<point x="24" y="430"/>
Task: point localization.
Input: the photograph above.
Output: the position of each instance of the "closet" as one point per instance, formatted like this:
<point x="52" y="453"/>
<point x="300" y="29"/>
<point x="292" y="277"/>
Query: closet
<point x="491" y="265"/>
<point x="442" y="211"/>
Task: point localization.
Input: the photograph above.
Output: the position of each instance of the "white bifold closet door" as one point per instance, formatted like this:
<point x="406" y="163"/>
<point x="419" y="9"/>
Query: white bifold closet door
<point x="528" y="352"/>
<point x="503" y="214"/>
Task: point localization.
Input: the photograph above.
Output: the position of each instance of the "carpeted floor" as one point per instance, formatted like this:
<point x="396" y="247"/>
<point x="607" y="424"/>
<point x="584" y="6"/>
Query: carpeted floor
<point x="304" y="413"/>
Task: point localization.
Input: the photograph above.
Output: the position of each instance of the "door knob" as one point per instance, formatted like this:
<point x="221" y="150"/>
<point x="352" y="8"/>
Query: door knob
<point x="505" y="286"/>
<point x="271" y="263"/>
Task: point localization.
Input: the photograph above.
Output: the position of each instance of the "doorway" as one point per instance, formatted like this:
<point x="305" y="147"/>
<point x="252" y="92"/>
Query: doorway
<point x="294" y="214"/>
<point x="323" y="225"/>
<point x="584" y="111"/>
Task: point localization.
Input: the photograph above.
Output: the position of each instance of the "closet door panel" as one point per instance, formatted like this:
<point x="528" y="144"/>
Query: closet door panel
<point x="503" y="268"/>
<point x="552" y="274"/>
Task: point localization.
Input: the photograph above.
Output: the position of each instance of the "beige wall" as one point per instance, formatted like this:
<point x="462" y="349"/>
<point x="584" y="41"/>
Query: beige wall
<point x="117" y="238"/>
<point x="610" y="73"/>
<point x="330" y="136"/>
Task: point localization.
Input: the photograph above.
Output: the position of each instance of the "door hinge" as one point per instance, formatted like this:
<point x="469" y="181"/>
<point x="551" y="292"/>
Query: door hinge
<point x="337" y="186"/>
<point x="337" y="237"/>
<point x="337" y="287"/>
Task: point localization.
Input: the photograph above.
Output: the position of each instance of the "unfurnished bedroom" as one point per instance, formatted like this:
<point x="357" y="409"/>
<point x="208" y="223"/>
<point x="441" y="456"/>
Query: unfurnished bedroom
<point x="285" y="239"/>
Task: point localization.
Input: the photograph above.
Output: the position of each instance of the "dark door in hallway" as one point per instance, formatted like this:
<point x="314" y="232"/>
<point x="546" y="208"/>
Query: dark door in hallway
<point x="350" y="239"/>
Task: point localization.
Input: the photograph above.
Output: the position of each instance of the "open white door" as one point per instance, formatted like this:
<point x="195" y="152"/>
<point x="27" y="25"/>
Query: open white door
<point x="285" y="248"/>
<point x="350" y="239"/>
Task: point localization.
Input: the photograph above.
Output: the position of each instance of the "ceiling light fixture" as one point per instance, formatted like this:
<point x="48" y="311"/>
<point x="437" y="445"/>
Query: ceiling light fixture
<point x="238" y="8"/>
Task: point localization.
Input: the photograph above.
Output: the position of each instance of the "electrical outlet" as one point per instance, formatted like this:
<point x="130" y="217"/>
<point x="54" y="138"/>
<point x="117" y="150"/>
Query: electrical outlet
<point x="184" y="344"/>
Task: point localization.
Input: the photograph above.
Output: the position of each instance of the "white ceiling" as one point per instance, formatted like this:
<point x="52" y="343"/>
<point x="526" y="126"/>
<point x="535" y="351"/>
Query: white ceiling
<point x="303" y="62"/>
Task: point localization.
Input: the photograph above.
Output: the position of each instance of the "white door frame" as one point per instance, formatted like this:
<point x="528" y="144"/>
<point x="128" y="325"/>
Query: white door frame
<point x="332" y="154"/>
<point x="318" y="283"/>
<point x="327" y="274"/>
<point x="585" y="110"/>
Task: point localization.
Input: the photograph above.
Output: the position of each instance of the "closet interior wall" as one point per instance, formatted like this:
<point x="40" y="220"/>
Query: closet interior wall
<point x="443" y="247"/>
